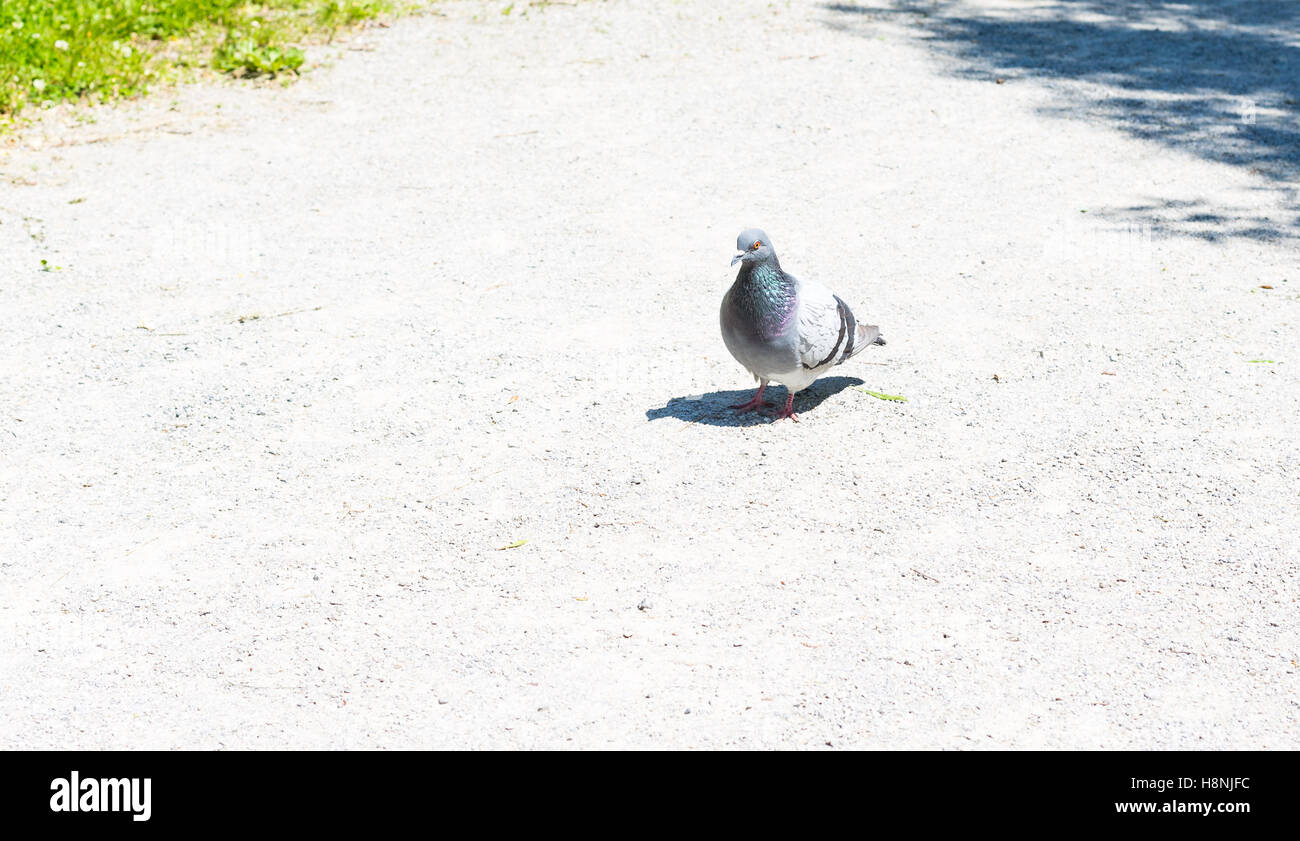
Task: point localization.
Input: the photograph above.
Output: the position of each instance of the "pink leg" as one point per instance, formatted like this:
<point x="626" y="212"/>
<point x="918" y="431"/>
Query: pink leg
<point x="788" y="412"/>
<point x="756" y="402"/>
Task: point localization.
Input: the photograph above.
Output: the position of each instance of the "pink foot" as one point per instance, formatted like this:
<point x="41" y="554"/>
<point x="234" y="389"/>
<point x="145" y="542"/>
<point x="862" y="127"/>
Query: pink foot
<point x="788" y="411"/>
<point x="756" y="403"/>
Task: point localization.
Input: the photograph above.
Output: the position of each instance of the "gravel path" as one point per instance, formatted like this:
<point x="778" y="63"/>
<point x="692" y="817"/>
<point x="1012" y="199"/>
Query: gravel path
<point x="309" y="357"/>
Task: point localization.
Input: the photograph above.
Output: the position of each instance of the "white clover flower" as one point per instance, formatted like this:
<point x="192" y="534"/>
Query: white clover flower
<point x="60" y="45"/>
<point x="126" y="51"/>
<point x="18" y="24"/>
<point x="39" y="84"/>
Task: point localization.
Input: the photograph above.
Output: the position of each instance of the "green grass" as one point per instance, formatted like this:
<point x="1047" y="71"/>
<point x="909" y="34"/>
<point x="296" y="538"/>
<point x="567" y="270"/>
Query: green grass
<point x="255" y="53"/>
<point x="97" y="50"/>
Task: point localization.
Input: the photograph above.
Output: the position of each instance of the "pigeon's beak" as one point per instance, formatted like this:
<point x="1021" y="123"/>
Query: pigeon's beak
<point x="737" y="259"/>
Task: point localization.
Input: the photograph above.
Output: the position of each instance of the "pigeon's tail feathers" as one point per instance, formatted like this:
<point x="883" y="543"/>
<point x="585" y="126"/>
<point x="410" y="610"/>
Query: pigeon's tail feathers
<point x="868" y="334"/>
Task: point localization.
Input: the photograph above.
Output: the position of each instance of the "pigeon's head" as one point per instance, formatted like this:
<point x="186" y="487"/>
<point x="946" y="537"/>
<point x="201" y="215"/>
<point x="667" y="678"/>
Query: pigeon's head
<point x="754" y="247"/>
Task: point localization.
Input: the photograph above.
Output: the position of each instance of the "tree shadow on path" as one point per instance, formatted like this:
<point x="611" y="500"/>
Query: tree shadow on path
<point x="714" y="408"/>
<point x="1217" y="78"/>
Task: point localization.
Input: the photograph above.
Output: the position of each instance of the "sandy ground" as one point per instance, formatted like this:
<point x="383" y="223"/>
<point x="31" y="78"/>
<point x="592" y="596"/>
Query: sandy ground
<point x="307" y="358"/>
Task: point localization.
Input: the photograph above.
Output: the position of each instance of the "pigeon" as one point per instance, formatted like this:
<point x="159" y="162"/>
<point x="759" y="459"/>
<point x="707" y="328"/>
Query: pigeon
<point x="783" y="329"/>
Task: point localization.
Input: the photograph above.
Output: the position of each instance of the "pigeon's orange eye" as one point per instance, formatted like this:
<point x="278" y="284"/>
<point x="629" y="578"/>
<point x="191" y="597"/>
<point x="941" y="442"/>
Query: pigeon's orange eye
<point x="758" y="243"/>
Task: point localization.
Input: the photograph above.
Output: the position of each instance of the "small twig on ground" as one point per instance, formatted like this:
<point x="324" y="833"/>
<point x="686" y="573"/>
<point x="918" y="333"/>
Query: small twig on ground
<point x="258" y="317"/>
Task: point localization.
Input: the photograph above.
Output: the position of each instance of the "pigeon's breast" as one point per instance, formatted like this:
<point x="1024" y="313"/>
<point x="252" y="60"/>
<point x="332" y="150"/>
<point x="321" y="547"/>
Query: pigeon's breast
<point x="758" y="326"/>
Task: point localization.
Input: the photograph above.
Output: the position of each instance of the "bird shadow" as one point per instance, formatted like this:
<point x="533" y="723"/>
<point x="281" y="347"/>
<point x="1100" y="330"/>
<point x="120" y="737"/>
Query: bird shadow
<point x="714" y="408"/>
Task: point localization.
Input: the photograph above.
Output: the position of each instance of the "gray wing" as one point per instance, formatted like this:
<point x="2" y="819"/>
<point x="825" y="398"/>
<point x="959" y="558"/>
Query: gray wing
<point x="828" y="331"/>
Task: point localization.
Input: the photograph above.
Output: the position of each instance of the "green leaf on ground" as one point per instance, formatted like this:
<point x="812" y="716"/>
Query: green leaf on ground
<point x="897" y="398"/>
<point x="514" y="545"/>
